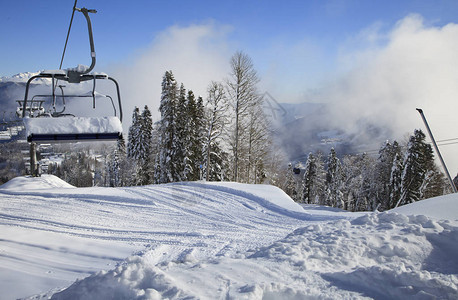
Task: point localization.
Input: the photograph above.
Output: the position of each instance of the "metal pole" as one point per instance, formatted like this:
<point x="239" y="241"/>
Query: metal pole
<point x="33" y="160"/>
<point x="437" y="150"/>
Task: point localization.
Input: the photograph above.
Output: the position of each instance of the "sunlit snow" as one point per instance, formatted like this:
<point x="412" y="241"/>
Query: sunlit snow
<point x="217" y="240"/>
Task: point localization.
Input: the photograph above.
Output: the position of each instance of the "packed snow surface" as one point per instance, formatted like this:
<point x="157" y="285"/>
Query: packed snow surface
<point x="217" y="240"/>
<point x="72" y="125"/>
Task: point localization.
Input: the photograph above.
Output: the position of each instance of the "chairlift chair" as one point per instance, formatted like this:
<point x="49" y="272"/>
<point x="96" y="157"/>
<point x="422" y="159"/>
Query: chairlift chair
<point x="57" y="126"/>
<point x="42" y="127"/>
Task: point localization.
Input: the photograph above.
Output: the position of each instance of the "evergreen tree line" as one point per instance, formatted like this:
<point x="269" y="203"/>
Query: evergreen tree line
<point x="224" y="137"/>
<point x="181" y="146"/>
<point x="400" y="175"/>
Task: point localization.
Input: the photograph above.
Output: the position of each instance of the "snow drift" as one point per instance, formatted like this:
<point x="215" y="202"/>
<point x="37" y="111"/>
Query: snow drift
<point x="218" y="240"/>
<point x="381" y="256"/>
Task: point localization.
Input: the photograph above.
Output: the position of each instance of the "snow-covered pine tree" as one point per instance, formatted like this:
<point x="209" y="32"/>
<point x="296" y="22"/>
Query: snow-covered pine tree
<point x="153" y="157"/>
<point x="313" y="182"/>
<point x="139" y="146"/>
<point x="383" y="173"/>
<point x="166" y="169"/>
<point x="334" y="181"/>
<point x="417" y="162"/>
<point x="125" y="165"/>
<point x="359" y="186"/>
<point x="183" y="136"/>
<point x="290" y="187"/>
<point x="134" y="133"/>
<point x="308" y="180"/>
<point x="144" y="172"/>
<point x="352" y="182"/>
<point x="133" y="145"/>
<point x="367" y="199"/>
<point x="196" y="141"/>
<point x="396" y="180"/>
<point x="117" y="165"/>
<point x="319" y="185"/>
<point x="199" y="143"/>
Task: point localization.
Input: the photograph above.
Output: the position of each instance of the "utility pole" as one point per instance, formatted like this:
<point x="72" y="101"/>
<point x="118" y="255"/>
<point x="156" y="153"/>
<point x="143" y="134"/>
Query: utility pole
<point x="437" y="149"/>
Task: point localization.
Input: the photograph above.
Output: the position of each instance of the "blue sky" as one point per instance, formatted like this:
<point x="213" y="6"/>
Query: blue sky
<point x="33" y="32"/>
<point x="296" y="46"/>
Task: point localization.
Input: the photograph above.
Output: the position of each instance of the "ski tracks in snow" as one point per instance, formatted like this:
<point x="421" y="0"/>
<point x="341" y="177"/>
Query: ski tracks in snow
<point x="178" y="222"/>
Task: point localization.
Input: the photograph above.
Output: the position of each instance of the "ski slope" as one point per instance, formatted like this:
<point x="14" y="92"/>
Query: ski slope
<point x="217" y="240"/>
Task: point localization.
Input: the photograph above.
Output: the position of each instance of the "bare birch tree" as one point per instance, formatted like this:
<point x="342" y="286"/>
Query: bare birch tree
<point x="242" y="93"/>
<point x="258" y="144"/>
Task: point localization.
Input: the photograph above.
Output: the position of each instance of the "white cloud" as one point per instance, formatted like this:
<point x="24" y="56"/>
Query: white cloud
<point x="196" y="55"/>
<point x="416" y="68"/>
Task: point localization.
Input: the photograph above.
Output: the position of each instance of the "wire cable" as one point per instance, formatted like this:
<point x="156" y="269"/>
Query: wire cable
<point x="66" y="42"/>
<point x="68" y="34"/>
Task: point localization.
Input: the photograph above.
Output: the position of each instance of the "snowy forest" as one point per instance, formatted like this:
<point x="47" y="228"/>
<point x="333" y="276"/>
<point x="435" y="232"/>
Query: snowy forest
<point x="400" y="175"/>
<point x="226" y="136"/>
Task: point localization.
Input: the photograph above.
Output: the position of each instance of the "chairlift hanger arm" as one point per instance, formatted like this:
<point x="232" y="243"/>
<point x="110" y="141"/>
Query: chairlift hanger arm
<point x="86" y="12"/>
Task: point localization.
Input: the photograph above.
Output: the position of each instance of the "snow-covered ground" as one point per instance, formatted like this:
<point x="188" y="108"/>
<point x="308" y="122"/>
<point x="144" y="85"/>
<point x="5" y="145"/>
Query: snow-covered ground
<point x="217" y="240"/>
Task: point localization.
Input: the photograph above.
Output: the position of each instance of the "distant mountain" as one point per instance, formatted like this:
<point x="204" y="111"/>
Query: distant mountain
<point x="21" y="77"/>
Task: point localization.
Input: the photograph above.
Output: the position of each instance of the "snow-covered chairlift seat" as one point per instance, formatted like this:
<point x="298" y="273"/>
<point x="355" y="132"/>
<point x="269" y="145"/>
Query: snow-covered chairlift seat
<point x="67" y="129"/>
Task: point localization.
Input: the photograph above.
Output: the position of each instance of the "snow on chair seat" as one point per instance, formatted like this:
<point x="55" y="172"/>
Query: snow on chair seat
<point x="65" y="129"/>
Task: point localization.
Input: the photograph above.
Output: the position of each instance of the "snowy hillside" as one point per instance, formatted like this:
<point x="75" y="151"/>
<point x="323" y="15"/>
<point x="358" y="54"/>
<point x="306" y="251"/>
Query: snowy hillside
<point x="218" y="240"/>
